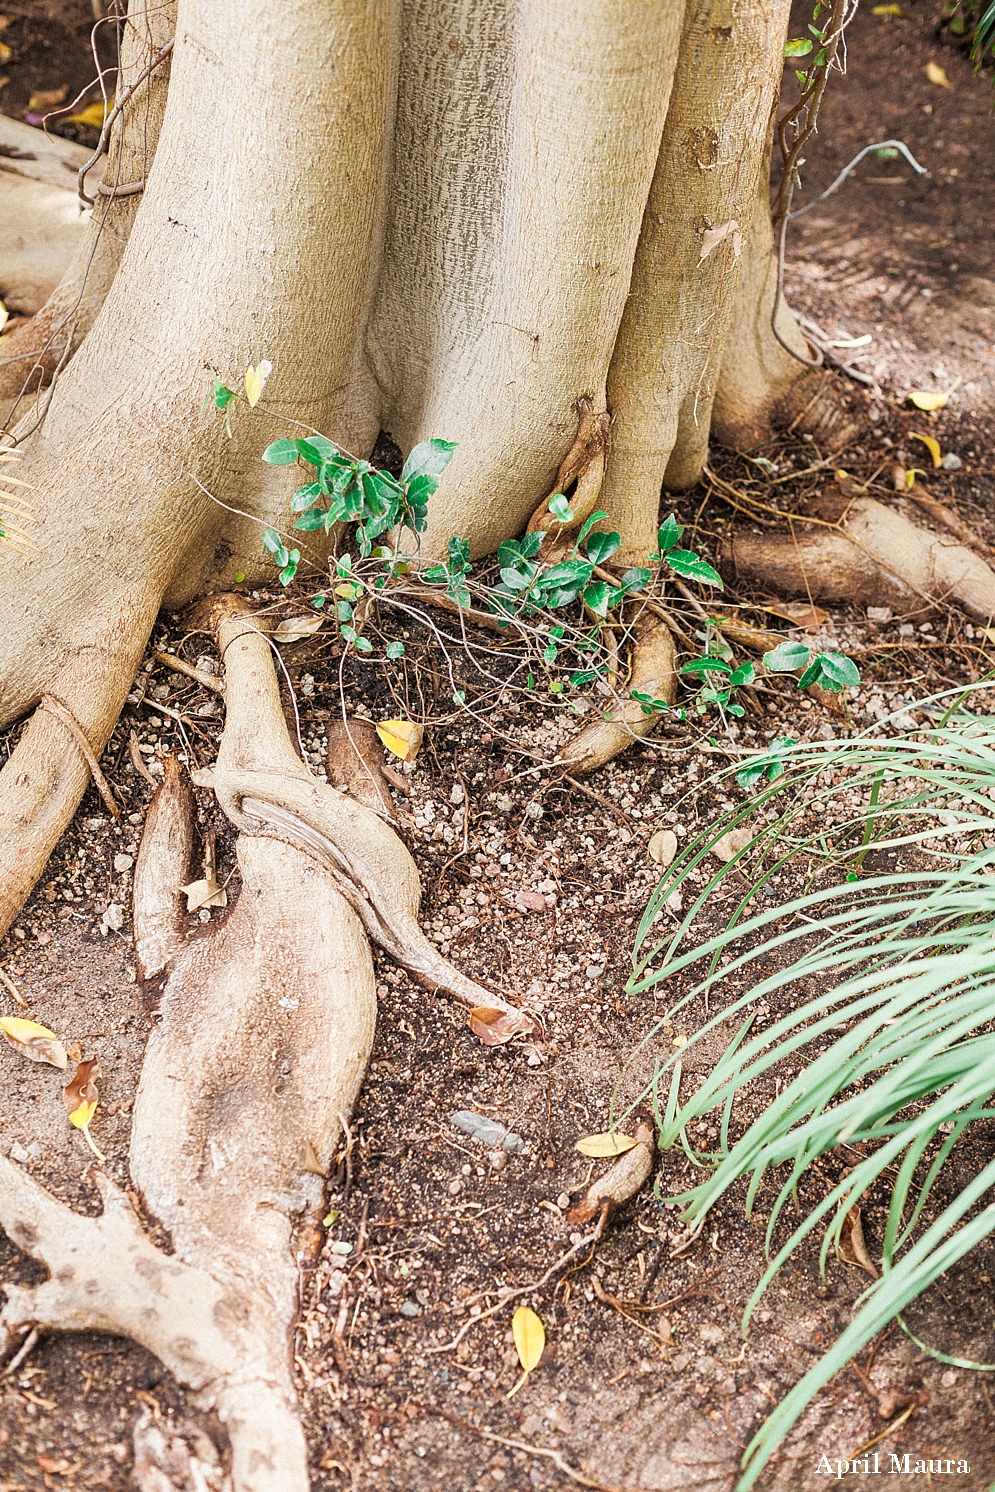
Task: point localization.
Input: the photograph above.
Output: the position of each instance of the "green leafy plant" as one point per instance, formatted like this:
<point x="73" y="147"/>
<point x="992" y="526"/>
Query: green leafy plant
<point x="906" y="965"/>
<point x="832" y="671"/>
<point x="683" y="562"/>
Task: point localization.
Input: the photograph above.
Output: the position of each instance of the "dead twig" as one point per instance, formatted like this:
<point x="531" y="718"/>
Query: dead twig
<point x="65" y="718"/>
<point x="202" y="677"/>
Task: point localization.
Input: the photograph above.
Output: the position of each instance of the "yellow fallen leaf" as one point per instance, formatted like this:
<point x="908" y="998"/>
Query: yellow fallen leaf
<point x="603" y="1146"/>
<point x="402" y="737"/>
<point x="6" y="53"/>
<point x="81" y="1117"/>
<point x="932" y="446"/>
<point x="255" y="381"/>
<point x="890" y="10"/>
<point x="47" y="98"/>
<point x="924" y="400"/>
<point x="80" y="1097"/>
<point x="530" y="1341"/>
<point x="936" y="74"/>
<point x="663" y="847"/>
<point x="34" y="1041"/>
<point x="94" y="115"/>
<point x="680" y="1041"/>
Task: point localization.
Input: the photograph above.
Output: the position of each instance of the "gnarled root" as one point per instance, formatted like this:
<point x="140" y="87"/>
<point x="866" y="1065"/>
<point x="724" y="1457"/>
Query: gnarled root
<point x="265" y="789"/>
<point x="875" y="557"/>
<point x="265" y="1027"/>
<point x="653" y="672"/>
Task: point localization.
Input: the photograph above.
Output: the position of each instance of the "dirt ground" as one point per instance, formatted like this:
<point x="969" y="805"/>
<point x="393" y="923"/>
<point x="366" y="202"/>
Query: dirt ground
<point x="645" y="1400"/>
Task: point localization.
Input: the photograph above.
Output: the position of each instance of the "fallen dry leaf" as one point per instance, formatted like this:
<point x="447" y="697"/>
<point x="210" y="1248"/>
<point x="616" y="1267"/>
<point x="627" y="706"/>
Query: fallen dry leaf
<point x="293" y="628"/>
<point x="802" y="613"/>
<point x="663" y="847"/>
<point x="937" y="74"/>
<point x="401" y="737"/>
<point x="34" y="1041"/>
<point x="530" y="1341"/>
<point x="204" y="893"/>
<point x="932" y="446"/>
<point x="81" y="1097"/>
<point x="852" y="1246"/>
<point x="726" y="848"/>
<point x="495" y="1027"/>
<point x="621" y="1181"/>
<point x="922" y="399"/>
<point x="138" y="761"/>
<point x="605" y="1146"/>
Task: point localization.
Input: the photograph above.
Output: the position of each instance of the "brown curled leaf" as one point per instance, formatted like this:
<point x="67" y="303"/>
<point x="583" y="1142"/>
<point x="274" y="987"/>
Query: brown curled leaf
<point x="495" y="1027"/>
<point x="621" y="1181"/>
<point x="853" y="1247"/>
<point x="80" y="1096"/>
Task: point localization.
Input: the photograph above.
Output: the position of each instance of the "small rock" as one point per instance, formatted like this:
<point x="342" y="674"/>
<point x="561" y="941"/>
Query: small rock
<point x="947" y="1379"/>
<point x="710" y="1332"/>
<point x="410" y="1309"/>
<point x="123" y="862"/>
<point x="594" y="971"/>
<point x="457" y="794"/>
<point x="487" y="1131"/>
<point x="497" y="1159"/>
<point x="950" y="462"/>
<point x="455" y="1186"/>
<point x="879" y="614"/>
<point x="530" y="901"/>
<point x="19" y="1153"/>
<point x="112" y="920"/>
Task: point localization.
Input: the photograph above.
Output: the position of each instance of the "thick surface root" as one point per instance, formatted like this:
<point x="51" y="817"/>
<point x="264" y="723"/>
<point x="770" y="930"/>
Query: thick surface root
<point x="265" y="789"/>
<point x="653" y="672"/>
<point x="875" y="557"/>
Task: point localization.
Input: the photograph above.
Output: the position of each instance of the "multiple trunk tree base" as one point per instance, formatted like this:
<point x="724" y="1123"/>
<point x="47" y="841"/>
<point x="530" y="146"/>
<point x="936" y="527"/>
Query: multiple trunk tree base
<point x="543" y="234"/>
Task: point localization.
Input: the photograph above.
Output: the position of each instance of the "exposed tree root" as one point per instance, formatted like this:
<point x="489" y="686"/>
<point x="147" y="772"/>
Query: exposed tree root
<point x="653" y="672"/>
<point x="874" y="556"/>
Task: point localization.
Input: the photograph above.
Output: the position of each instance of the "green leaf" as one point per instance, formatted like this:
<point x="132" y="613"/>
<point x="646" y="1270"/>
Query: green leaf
<point x="314" y="519"/>
<point x="601" y="547"/>
<point x="344" y="611"/>
<point x="570" y="572"/>
<point x="798" y="47"/>
<point x="306" y="497"/>
<point x="838" y="671"/>
<point x="636" y="579"/>
<point x="560" y="508"/>
<point x="744" y="674"/>
<point x="222" y="394"/>
<point x="596" y="597"/>
<point x="787" y="657"/>
<point x="316" y="449"/>
<point x="587" y="525"/>
<point x="395" y="650"/>
<point x="428" y="459"/>
<point x="459" y="556"/>
<point x="364" y="645"/>
<point x="650" y="705"/>
<point x="420" y="489"/>
<point x="290" y="568"/>
<point x="706" y="665"/>
<point x="669" y="534"/>
<point x="349" y="633"/>
<point x="549" y="653"/>
<point x="459" y="697"/>
<point x="683" y="562"/>
<point x="516" y="580"/>
<point x="272" y="541"/>
<point x="281" y="453"/>
<point x="583" y="676"/>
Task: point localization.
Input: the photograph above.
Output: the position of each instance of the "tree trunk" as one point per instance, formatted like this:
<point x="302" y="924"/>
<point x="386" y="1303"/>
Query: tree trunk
<point x="438" y="219"/>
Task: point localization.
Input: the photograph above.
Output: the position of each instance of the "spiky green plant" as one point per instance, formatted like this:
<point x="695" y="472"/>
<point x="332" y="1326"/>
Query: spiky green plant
<point x="907" y="963"/>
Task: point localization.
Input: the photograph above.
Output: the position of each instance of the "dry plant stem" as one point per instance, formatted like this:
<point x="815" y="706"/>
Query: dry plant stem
<point x="71" y="309"/>
<point x="711" y="167"/>
<point x="200" y="675"/>
<point x="264" y="788"/>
